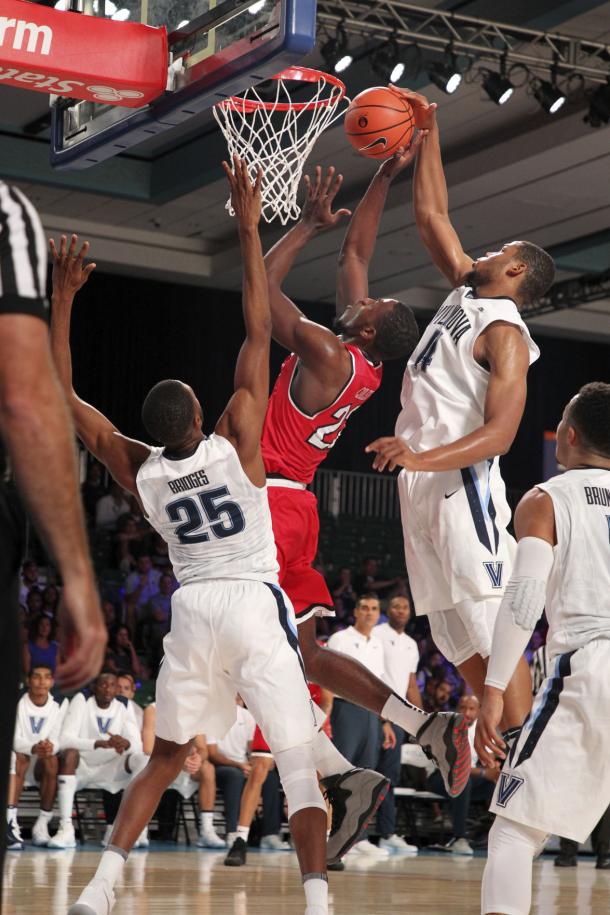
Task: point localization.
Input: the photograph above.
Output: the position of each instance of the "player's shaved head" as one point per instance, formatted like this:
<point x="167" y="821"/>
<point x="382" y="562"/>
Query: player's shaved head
<point x="589" y="414"/>
<point x="168" y="412"/>
<point x="539" y="274"/>
<point x="396" y="333"/>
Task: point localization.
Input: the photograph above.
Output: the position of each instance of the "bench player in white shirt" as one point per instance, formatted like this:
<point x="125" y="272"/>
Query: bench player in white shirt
<point x="233" y="628"/>
<point x="463" y="397"/>
<point x="557" y="776"/>
<point x="36" y="746"/>
<point x="101" y="748"/>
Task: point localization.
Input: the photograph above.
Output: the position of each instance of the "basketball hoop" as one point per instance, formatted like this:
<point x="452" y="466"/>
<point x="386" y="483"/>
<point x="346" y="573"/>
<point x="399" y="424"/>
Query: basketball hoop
<point x="278" y="133"/>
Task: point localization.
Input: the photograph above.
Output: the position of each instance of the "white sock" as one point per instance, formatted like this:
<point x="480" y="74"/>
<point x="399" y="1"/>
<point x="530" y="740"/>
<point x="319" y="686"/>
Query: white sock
<point x="65" y="796"/>
<point x="11" y="814"/>
<point x="242" y="833"/>
<point x="110" y="866"/>
<point x="327" y="759"/>
<point x="316" y="891"/>
<point x="206" y="820"/>
<point x="406" y="716"/>
<point x="45" y="815"/>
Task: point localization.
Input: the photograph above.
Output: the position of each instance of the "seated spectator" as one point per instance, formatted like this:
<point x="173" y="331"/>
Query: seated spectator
<point x="126" y="687"/>
<point x="34" y="603"/>
<point x="110" y="614"/>
<point x="230" y="758"/>
<point x="156" y="618"/>
<point x="50" y="601"/>
<point x="160" y="553"/>
<point x="101" y="748"/>
<point x="127" y="543"/>
<point x="30" y="578"/>
<point x="480" y="786"/>
<point x="93" y="489"/>
<point x="36" y="746"/>
<point x="41" y="647"/>
<point x="344" y="597"/>
<point x="141" y="585"/>
<point x="370" y="579"/>
<point x="110" y="508"/>
<point x="198" y="774"/>
<point x="121" y="655"/>
<point x="437" y="695"/>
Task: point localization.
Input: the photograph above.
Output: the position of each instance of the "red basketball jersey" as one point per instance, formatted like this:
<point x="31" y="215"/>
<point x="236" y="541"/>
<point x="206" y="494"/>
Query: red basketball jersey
<point x="294" y="443"/>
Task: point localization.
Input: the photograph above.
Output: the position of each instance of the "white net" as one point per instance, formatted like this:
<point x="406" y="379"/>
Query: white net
<point x="277" y="135"/>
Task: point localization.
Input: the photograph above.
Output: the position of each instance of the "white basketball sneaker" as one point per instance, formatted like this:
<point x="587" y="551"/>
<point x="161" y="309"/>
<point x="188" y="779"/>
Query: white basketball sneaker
<point x="396" y="844"/>
<point x="64" y="837"/>
<point x="96" y="899"/>
<point x="40" y="832"/>
<point x="364" y="847"/>
<point x="107" y="834"/>
<point x="142" y="841"/>
<point x="209" y="838"/>
<point x="274" y="843"/>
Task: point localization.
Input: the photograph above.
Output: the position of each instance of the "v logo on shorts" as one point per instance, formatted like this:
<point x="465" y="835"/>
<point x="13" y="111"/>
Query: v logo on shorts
<point x="103" y="724"/>
<point x="494" y="570"/>
<point x="36" y="724"/>
<point x="508" y="787"/>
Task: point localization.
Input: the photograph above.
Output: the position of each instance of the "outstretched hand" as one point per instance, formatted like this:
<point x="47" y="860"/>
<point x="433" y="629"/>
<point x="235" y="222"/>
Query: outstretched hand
<point x="246" y="198"/>
<point x="391" y="452"/>
<point x="317" y="208"/>
<point x="69" y="271"/>
<point x="423" y="110"/>
<point x="403" y="157"/>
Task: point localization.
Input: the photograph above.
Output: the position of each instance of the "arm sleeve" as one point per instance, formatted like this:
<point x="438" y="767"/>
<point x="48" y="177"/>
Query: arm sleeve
<point x="520" y="610"/>
<point x="70" y="735"/>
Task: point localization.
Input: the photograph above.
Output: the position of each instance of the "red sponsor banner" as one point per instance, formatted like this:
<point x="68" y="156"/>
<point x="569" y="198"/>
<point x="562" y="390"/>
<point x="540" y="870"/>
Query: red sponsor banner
<point x="64" y="53"/>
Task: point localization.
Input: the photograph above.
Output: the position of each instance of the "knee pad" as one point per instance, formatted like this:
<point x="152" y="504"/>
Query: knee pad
<point x="299" y="780"/>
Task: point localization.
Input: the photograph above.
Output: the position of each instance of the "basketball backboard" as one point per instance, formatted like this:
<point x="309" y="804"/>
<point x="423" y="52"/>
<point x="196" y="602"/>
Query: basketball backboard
<point x="217" y="49"/>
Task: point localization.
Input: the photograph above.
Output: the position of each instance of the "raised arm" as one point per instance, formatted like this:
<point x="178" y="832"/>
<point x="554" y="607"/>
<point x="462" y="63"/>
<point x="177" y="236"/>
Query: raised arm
<point x="361" y="236"/>
<point x="506" y="354"/>
<point x="121" y="455"/>
<point x="242" y="420"/>
<point x="316" y="345"/>
<point x="430" y="198"/>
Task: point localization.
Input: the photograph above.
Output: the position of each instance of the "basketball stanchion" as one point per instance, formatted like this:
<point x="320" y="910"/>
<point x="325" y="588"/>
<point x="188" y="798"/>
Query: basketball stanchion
<point x="277" y="134"/>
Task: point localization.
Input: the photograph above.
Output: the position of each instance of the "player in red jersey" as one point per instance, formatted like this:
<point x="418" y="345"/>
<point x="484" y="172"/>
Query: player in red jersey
<point x="320" y="385"/>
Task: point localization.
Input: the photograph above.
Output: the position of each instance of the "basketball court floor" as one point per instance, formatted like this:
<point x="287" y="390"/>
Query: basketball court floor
<point x="178" y="880"/>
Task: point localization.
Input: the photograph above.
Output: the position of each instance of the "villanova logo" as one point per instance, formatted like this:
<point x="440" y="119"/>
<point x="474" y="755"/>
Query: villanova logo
<point x="508" y="787"/>
<point x="103" y="724"/>
<point x="494" y="570"/>
<point x="36" y="724"/>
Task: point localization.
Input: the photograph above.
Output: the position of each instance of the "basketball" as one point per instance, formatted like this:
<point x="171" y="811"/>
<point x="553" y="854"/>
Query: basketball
<point x="378" y="122"/>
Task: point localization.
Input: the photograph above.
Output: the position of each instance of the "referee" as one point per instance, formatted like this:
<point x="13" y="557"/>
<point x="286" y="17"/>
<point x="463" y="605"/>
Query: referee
<point x="37" y="450"/>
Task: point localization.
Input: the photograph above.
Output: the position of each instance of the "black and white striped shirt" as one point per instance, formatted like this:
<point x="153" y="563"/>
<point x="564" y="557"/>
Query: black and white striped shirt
<point x="23" y="256"/>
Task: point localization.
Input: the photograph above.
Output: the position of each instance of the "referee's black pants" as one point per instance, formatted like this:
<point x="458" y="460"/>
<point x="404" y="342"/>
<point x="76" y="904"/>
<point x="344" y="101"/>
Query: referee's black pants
<point x="12" y="540"/>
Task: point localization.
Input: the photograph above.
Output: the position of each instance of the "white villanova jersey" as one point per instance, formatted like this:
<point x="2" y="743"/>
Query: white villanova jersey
<point x="38" y="722"/>
<point x="215" y="521"/>
<point x="578" y="590"/>
<point x="444" y="387"/>
<point x="86" y="723"/>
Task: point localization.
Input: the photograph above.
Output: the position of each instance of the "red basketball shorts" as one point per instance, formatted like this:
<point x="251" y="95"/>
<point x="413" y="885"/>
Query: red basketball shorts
<point x="260" y="746"/>
<point x="294" y="514"/>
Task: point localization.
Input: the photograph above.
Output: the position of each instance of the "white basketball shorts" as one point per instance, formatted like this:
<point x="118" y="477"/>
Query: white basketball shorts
<point x="108" y="775"/>
<point x="231" y="637"/>
<point x="456" y="544"/>
<point x="557" y="778"/>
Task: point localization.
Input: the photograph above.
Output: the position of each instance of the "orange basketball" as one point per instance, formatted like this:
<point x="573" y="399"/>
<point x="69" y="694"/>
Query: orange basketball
<point x="378" y="122"/>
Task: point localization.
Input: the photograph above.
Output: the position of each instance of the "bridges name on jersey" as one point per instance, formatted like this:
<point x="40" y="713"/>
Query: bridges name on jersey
<point x="294" y="443"/>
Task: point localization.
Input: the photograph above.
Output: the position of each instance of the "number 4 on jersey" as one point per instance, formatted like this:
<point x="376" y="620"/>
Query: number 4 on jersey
<point x="325" y="437"/>
<point x="425" y="355"/>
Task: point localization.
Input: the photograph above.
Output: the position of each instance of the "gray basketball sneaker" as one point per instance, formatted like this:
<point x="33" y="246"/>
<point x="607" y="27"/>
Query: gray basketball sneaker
<point x="444" y="739"/>
<point x="354" y="797"/>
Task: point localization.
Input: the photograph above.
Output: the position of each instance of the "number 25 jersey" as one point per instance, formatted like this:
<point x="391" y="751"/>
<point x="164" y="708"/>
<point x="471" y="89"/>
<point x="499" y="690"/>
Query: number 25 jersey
<point x="294" y="443"/>
<point x="215" y="521"/>
<point x="444" y="387"/>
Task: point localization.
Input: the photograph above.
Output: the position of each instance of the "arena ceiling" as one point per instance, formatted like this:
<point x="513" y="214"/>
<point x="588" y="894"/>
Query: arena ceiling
<point x="513" y="172"/>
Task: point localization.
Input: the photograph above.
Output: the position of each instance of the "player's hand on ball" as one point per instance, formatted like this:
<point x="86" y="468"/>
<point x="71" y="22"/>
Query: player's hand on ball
<point x="317" y="209"/>
<point x="391" y="452"/>
<point x="402" y="157"/>
<point x="246" y="198"/>
<point x="488" y="743"/>
<point x="69" y="271"/>
<point x="424" y="111"/>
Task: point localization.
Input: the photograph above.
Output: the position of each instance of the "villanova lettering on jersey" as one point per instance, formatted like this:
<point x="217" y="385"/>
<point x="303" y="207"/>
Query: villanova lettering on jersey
<point x="103" y="724"/>
<point x="36" y="724"/>
<point x="455" y="319"/>
<point x="508" y="787"/>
